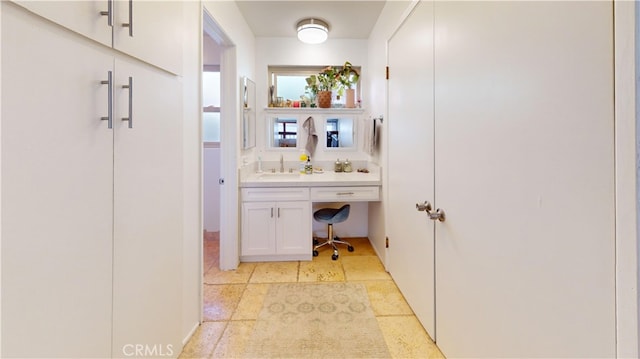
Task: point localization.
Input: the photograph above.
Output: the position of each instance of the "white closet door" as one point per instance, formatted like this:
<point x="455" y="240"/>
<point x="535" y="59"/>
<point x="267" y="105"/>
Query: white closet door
<point x="148" y="202"/>
<point x="83" y="17"/>
<point x="525" y="261"/>
<point x="57" y="191"/>
<point x="410" y="168"/>
<point x="155" y="35"/>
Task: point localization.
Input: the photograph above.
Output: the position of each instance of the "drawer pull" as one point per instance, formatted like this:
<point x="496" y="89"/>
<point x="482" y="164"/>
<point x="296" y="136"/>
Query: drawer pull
<point x="345" y="193"/>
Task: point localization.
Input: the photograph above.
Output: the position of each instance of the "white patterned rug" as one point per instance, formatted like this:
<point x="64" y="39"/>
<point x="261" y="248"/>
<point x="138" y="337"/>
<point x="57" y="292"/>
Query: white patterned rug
<point x="317" y="320"/>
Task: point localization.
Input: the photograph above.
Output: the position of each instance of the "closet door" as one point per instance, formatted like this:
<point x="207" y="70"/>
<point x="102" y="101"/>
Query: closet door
<point x="83" y="17"/>
<point x="525" y="261"/>
<point x="155" y="33"/>
<point x="410" y="167"/>
<point x="57" y="191"/>
<point x="147" y="207"/>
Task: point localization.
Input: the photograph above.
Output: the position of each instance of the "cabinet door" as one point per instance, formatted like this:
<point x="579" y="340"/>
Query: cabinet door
<point x="147" y="209"/>
<point x="154" y="33"/>
<point x="57" y="182"/>
<point x="258" y="228"/>
<point x="293" y="228"/>
<point x="82" y="17"/>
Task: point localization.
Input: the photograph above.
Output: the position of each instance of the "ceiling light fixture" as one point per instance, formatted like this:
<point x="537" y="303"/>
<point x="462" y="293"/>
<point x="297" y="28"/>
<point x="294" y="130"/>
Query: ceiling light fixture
<point x="312" y="31"/>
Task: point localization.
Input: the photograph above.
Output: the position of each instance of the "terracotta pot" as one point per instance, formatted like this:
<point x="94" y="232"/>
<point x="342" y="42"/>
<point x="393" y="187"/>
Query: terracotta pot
<point x="324" y="99"/>
<point x="351" y="98"/>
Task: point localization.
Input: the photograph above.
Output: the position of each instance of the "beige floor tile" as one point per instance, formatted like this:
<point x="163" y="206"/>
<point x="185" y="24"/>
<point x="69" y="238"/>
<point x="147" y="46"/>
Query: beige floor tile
<point x="239" y="275"/>
<point x="361" y="247"/>
<point x="251" y="302"/>
<point x="406" y="338"/>
<point x="203" y="340"/>
<point x="321" y="270"/>
<point x="221" y="300"/>
<point x="358" y="268"/>
<point x="386" y="299"/>
<point x="275" y="272"/>
<point x="234" y="340"/>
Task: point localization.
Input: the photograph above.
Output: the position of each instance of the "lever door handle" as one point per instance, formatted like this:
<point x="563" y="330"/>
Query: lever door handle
<point x="426" y="207"/>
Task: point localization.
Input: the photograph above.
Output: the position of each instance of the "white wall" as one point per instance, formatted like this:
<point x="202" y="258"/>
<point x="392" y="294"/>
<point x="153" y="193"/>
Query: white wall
<point x="392" y="15"/>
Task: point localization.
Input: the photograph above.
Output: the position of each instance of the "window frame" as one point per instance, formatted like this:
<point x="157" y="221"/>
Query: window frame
<point x="274" y="71"/>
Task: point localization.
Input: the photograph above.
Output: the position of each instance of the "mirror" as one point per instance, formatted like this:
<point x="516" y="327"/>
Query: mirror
<point x="339" y="133"/>
<point x="284" y="132"/>
<point x="248" y="113"/>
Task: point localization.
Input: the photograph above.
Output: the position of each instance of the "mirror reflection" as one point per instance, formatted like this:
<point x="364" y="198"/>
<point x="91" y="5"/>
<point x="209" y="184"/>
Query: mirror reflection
<point x="249" y="114"/>
<point x="339" y="132"/>
<point x="285" y="132"/>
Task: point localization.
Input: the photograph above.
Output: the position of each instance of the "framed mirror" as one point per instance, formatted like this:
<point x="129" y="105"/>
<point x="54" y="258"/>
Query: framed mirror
<point x="284" y="132"/>
<point x="248" y="113"/>
<point x="340" y="133"/>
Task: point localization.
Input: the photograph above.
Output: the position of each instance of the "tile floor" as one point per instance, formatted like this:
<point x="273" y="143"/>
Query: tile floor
<point x="233" y="299"/>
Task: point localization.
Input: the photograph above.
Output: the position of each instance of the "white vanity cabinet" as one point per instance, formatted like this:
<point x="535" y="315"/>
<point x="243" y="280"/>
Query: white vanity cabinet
<point x="276" y="224"/>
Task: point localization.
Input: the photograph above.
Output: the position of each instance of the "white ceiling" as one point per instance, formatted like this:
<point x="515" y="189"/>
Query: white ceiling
<point x="347" y="19"/>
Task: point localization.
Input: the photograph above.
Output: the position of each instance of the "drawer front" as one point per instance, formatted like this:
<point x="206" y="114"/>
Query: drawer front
<point x="345" y="194"/>
<point x="275" y="194"/>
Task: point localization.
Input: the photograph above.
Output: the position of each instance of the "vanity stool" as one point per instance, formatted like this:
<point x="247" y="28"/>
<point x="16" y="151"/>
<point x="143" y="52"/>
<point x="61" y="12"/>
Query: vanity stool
<point x="331" y="216"/>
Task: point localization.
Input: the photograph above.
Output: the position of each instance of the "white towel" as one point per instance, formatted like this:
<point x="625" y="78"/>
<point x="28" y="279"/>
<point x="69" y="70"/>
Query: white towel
<point x="312" y="138"/>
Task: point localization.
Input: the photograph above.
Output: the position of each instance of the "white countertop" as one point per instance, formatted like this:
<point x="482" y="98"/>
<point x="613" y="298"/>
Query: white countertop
<point x="325" y="179"/>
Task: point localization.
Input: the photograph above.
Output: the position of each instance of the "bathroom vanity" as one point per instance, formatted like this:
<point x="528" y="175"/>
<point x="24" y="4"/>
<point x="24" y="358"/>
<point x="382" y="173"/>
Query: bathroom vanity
<point x="277" y="209"/>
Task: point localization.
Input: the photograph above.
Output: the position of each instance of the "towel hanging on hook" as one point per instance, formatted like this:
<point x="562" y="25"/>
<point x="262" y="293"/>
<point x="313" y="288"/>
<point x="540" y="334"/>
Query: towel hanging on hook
<point x="312" y="137"/>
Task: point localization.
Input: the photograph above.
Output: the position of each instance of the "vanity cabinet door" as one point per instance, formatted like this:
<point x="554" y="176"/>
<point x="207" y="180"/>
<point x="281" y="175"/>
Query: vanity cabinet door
<point x="293" y="228"/>
<point x="258" y="228"/>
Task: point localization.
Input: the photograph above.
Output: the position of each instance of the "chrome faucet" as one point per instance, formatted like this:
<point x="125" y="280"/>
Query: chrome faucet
<point x="281" y="164"/>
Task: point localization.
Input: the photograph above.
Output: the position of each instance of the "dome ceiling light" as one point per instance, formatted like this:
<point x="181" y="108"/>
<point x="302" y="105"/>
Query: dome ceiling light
<point x="312" y="31"/>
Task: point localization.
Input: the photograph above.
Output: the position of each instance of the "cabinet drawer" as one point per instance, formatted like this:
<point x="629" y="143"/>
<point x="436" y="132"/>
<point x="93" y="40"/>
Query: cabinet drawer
<point x="275" y="194"/>
<point x="345" y="194"/>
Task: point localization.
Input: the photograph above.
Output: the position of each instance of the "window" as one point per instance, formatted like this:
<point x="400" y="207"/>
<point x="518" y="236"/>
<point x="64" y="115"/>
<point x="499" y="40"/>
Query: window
<point x="211" y="103"/>
<point x="289" y="83"/>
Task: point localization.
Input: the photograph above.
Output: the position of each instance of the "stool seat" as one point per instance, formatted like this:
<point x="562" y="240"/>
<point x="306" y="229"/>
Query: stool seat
<point x="331" y="216"/>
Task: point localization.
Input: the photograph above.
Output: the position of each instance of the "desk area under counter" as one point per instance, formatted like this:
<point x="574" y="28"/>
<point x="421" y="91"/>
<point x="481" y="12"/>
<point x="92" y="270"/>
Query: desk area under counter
<point x="277" y="209"/>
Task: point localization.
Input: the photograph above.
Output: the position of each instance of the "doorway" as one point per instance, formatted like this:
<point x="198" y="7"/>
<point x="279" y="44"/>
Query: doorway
<point x="211" y="148"/>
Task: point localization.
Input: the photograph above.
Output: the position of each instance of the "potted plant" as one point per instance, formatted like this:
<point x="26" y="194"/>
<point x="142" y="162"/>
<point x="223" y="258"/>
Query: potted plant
<point x="348" y="77"/>
<point x="323" y="84"/>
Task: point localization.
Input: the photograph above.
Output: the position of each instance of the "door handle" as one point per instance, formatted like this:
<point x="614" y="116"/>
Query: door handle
<point x="109" y="82"/>
<point x="426" y="207"/>
<point x="108" y="13"/>
<point x="130" y="87"/>
<point x="130" y="23"/>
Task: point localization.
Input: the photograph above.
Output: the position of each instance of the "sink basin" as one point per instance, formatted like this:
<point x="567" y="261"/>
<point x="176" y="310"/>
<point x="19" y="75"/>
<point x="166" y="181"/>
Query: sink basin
<point x="278" y="175"/>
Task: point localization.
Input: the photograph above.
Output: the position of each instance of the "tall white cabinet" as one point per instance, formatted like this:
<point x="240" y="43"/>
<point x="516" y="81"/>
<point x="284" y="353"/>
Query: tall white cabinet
<point x="91" y="215"/>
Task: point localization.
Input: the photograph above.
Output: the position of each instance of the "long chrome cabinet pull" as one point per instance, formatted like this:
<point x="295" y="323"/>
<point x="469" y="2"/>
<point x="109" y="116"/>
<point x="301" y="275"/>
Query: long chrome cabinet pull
<point x="130" y="87"/>
<point x="271" y="212"/>
<point x="108" y="13"/>
<point x="109" y="82"/>
<point x="345" y="193"/>
<point x="130" y="24"/>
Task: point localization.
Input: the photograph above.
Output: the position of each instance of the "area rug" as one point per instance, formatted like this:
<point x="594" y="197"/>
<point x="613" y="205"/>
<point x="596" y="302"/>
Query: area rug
<point x="316" y="320"/>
